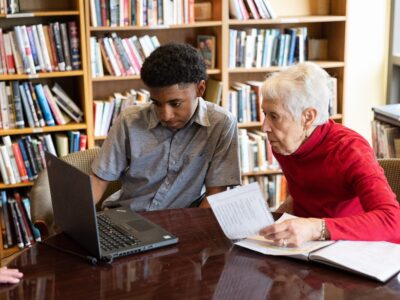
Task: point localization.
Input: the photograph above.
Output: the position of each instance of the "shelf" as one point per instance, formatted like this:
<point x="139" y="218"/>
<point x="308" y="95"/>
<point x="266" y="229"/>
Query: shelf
<point x="249" y="124"/>
<point x="100" y="138"/>
<point x="137" y="77"/>
<point x="336" y="117"/>
<point x="156" y="27"/>
<point x="10" y="251"/>
<point x="14" y="186"/>
<point x="76" y="126"/>
<point x="290" y="20"/>
<point x="262" y="173"/>
<point x="41" y="75"/>
<point x="323" y="64"/>
<point x="54" y="13"/>
<point x="396" y="59"/>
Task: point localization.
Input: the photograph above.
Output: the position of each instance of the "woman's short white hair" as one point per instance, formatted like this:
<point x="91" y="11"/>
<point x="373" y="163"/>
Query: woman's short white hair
<point x="302" y="86"/>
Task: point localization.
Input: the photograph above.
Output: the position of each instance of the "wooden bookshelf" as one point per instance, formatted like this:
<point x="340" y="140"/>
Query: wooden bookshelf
<point x="73" y="82"/>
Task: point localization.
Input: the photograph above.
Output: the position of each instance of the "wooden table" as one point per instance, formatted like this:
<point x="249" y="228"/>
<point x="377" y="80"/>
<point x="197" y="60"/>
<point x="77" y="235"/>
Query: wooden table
<point x="203" y="265"/>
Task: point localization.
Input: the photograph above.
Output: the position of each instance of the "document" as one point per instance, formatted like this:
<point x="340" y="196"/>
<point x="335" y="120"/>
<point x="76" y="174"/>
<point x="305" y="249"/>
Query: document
<point x="242" y="212"/>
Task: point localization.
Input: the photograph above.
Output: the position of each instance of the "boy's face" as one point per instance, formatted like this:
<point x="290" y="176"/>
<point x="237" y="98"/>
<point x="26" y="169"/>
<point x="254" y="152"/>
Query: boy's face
<point x="176" y="104"/>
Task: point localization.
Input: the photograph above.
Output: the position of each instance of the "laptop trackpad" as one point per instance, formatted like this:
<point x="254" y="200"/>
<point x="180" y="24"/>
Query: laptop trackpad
<point x="140" y="225"/>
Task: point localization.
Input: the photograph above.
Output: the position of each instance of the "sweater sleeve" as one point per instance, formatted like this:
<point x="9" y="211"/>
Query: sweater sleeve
<point x="365" y="178"/>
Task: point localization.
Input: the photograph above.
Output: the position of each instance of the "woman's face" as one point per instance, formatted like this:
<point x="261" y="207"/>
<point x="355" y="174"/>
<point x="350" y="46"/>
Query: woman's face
<point x="284" y="132"/>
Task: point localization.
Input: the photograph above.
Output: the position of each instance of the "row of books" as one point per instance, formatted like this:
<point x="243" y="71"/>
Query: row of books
<point x="255" y="152"/>
<point x="273" y="187"/>
<point x="35" y="105"/>
<point x="21" y="160"/>
<point x="106" y="112"/>
<point x="245" y="99"/>
<point x="385" y="139"/>
<point x="267" y="47"/>
<point x="40" y="48"/>
<point x="16" y="223"/>
<point x="120" y="56"/>
<point x="141" y="12"/>
<point x="9" y="6"/>
<point x="251" y="9"/>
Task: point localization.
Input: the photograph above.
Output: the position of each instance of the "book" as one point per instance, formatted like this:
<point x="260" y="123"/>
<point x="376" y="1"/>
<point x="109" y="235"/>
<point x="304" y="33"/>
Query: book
<point x="206" y="46"/>
<point x="242" y="212"/>
<point x="391" y="110"/>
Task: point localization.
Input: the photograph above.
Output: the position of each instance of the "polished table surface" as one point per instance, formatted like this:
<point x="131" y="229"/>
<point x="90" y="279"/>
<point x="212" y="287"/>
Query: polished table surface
<point x="203" y="265"/>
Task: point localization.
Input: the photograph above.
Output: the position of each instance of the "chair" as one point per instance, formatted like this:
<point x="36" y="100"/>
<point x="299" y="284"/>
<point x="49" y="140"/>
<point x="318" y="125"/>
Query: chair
<point x="41" y="207"/>
<point x="391" y="167"/>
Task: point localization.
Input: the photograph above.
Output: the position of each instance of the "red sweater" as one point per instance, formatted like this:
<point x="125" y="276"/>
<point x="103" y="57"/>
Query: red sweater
<point x="334" y="175"/>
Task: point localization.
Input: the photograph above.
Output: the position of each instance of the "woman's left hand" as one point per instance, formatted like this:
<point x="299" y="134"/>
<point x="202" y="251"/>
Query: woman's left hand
<point x="293" y="232"/>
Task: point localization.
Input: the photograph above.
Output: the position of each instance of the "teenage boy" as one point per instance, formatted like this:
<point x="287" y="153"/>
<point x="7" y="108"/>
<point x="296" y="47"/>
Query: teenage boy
<point x="166" y="153"/>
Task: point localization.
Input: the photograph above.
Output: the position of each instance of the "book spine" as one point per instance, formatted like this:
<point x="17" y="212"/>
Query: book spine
<point x="27" y="208"/>
<point x="83" y="142"/>
<point x="34" y="50"/>
<point x="20" y="162"/>
<point x="53" y="106"/>
<point x="65" y="43"/>
<point x="26" y="106"/>
<point x="19" y="117"/>
<point x="7" y="218"/>
<point x="74" y="45"/>
<point x="7" y="142"/>
<point x="39" y="50"/>
<point x="49" y="35"/>
<point x="3" y="171"/>
<point x="10" y="107"/>
<point x="31" y="155"/>
<point x="4" y="106"/>
<point x="25" y="158"/>
<point x="9" y="54"/>
<point x="17" y="227"/>
<point x="7" y="164"/>
<point x="63" y="95"/>
<point x="29" y="99"/>
<point x="36" y="104"/>
<point x="58" y="45"/>
<point x="3" y="226"/>
<point x="3" y="55"/>
<point x="44" y="105"/>
<point x="28" y="236"/>
<point x="45" y="50"/>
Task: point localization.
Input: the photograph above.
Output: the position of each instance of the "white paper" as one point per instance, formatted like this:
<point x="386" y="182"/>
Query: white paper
<point x="380" y="260"/>
<point x="241" y="212"/>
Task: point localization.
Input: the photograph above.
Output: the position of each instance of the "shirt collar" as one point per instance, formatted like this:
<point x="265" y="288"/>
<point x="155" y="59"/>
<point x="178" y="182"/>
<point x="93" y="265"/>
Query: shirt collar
<point x="200" y="115"/>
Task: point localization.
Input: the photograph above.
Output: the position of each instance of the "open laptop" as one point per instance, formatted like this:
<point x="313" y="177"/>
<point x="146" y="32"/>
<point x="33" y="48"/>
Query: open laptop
<point x="107" y="234"/>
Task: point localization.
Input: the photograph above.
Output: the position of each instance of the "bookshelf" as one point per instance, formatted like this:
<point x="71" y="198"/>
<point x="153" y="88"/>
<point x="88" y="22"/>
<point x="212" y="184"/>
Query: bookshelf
<point x="74" y="81"/>
<point x="393" y="79"/>
<point x="324" y="19"/>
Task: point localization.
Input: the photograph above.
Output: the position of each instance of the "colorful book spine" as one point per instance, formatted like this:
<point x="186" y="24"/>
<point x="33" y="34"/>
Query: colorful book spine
<point x="44" y="105"/>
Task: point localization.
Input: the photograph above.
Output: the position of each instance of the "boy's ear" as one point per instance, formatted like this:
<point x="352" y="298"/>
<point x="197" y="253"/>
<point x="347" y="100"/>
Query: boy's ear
<point x="201" y="87"/>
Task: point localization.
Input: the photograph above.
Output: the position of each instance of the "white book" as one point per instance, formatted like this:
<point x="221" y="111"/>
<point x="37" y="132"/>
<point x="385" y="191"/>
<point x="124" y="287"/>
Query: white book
<point x="242" y="213"/>
<point x="99" y="62"/>
<point x="21" y="49"/>
<point x="28" y="50"/>
<point x="8" y="51"/>
<point x="45" y="51"/>
<point x="93" y="15"/>
<point x="18" y="59"/>
<point x="107" y="116"/>
<point x="146" y="46"/>
<point x="111" y="56"/>
<point x="98" y="107"/>
<point x="49" y="144"/>
<point x="3" y="171"/>
<point x="7" y="164"/>
<point x="7" y="142"/>
<point x="63" y="95"/>
<point x="93" y="66"/>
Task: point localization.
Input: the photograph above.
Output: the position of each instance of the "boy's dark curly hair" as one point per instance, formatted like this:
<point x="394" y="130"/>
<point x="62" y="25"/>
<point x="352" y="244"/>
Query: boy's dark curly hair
<point x="171" y="64"/>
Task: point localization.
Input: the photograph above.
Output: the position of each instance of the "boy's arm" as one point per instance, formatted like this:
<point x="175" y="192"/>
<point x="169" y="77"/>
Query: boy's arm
<point x="211" y="191"/>
<point x="98" y="187"/>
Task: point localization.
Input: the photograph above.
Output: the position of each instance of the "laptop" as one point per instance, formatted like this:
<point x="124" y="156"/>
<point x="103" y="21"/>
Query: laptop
<point x="106" y="234"/>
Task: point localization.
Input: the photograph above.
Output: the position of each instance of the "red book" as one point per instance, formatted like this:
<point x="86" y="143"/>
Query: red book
<point x="117" y="56"/>
<point x="103" y="9"/>
<point x="82" y="142"/>
<point x="20" y="162"/>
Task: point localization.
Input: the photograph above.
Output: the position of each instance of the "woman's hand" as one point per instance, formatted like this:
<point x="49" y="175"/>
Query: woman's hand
<point x="293" y="232"/>
<point x="10" y="275"/>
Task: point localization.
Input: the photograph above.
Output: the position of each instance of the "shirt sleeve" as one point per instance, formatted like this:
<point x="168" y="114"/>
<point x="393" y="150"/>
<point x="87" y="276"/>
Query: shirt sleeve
<point x="112" y="160"/>
<point x="366" y="179"/>
<point x="224" y="169"/>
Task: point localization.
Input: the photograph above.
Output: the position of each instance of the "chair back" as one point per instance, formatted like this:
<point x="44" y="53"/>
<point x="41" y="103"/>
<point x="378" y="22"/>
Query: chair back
<point x="391" y="167"/>
<point x="41" y="207"/>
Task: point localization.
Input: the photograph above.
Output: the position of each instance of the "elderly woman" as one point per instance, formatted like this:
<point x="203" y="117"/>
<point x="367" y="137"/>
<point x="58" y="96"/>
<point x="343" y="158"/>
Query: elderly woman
<point x="335" y="184"/>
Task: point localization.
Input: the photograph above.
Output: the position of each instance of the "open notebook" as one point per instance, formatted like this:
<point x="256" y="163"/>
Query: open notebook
<point x="242" y="212"/>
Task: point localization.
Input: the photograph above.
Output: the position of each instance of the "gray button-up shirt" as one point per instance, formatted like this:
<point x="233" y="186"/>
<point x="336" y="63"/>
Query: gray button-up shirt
<point x="163" y="168"/>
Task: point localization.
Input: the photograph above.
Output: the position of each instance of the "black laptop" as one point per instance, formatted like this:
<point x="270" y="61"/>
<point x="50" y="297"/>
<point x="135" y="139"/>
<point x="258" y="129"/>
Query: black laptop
<point x="107" y="234"/>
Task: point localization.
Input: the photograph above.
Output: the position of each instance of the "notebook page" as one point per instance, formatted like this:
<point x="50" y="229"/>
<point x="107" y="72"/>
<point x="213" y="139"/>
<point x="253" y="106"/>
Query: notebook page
<point x="380" y="260"/>
<point x="241" y="212"/>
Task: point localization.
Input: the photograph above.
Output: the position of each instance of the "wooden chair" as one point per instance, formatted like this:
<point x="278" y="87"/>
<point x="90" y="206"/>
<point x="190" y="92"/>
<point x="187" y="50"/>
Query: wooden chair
<point x="391" y="167"/>
<point x="41" y="207"/>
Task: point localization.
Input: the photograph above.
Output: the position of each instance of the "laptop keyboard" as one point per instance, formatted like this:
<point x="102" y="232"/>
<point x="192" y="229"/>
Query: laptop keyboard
<point x="112" y="237"/>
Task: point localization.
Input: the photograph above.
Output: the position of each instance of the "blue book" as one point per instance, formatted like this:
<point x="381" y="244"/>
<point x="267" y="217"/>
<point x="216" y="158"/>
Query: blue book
<point x="292" y="44"/>
<point x="76" y="135"/>
<point x="26" y="159"/>
<point x="34" y="51"/>
<point x="44" y="105"/>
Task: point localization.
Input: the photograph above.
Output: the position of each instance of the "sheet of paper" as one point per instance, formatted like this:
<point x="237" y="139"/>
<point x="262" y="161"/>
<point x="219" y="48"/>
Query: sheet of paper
<point x="241" y="212"/>
<point x="380" y="260"/>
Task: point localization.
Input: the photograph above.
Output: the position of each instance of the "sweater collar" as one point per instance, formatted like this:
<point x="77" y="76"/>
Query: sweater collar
<point x="314" y="140"/>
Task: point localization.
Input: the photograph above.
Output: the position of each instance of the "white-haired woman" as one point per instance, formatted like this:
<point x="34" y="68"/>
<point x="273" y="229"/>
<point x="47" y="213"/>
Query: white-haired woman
<point x="336" y="186"/>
